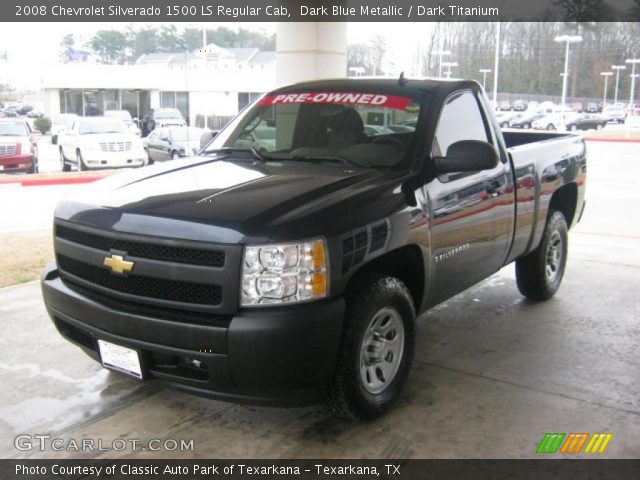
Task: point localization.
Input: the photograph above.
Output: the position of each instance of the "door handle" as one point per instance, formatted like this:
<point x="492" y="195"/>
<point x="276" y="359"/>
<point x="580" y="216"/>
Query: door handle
<point x="493" y="189"/>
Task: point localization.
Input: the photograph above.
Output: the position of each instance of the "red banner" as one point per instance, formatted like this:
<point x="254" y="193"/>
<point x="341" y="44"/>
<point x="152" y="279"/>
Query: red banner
<point x="348" y="98"/>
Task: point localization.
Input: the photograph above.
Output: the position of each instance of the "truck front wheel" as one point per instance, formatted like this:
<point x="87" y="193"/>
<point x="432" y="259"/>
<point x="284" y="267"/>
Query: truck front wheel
<point x="376" y="350"/>
<point x="540" y="273"/>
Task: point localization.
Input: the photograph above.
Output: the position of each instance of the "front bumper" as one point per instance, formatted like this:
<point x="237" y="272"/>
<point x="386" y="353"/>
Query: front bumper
<point x="272" y="356"/>
<point x="102" y="159"/>
<point x="16" y="163"/>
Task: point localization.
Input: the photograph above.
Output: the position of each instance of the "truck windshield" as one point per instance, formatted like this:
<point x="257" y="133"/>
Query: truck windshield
<point x="13" y="130"/>
<point x="345" y="127"/>
<point x="102" y="125"/>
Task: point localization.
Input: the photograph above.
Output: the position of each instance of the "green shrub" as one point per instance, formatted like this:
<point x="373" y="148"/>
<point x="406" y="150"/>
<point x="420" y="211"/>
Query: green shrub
<point x="43" y="124"/>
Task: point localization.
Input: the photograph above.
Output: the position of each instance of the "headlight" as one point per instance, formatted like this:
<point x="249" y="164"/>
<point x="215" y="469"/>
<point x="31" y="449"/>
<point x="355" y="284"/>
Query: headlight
<point x="284" y="273"/>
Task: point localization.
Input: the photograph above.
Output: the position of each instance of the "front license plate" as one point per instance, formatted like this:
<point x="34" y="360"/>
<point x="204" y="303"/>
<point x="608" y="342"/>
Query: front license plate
<point x="121" y="359"/>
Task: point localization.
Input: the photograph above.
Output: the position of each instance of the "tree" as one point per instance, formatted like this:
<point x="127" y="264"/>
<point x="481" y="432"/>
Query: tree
<point x="582" y="10"/>
<point x="192" y="38"/>
<point x="67" y="45"/>
<point x="378" y="49"/>
<point x="109" y="46"/>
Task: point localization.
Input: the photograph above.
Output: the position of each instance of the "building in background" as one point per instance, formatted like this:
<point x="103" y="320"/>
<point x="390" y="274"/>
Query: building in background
<point x="205" y="85"/>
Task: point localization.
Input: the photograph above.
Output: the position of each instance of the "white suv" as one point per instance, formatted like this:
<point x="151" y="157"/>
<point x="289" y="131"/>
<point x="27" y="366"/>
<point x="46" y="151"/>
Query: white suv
<point x="99" y="142"/>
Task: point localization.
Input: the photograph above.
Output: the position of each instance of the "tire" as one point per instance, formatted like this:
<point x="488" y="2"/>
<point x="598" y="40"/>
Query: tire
<point x="81" y="166"/>
<point x="526" y="125"/>
<point x="63" y="162"/>
<point x="380" y="314"/>
<point x="148" y="160"/>
<point x="34" y="161"/>
<point x="551" y="127"/>
<point x="573" y="128"/>
<point x="599" y="126"/>
<point x="175" y="155"/>
<point x="539" y="274"/>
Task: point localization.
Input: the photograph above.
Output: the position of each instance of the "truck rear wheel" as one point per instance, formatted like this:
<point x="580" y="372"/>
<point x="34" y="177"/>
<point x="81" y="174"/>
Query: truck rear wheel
<point x="540" y="273"/>
<point x="376" y="350"/>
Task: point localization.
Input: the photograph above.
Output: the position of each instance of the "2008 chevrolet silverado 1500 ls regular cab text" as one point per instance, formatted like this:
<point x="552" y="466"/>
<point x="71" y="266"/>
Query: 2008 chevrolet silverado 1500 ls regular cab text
<point x="292" y="271"/>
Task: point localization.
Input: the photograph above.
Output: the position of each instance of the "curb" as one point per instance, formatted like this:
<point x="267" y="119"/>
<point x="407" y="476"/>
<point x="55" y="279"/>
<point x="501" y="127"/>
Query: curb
<point x="37" y="182"/>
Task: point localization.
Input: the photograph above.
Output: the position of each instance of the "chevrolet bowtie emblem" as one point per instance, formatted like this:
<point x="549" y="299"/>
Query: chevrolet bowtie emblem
<point x="118" y="264"/>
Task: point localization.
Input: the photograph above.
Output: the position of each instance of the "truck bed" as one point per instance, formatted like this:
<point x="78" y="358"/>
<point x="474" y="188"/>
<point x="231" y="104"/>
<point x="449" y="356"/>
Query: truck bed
<point x="543" y="162"/>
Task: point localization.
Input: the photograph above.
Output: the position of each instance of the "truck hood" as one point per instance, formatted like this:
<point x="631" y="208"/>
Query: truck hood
<point x="229" y="200"/>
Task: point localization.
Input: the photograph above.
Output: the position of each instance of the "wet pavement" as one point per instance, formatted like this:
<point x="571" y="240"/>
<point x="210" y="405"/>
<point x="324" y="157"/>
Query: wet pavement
<point x="493" y="372"/>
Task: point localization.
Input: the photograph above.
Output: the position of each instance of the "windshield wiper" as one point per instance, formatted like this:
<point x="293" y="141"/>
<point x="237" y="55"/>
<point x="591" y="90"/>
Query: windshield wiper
<point x="255" y="153"/>
<point x="320" y="159"/>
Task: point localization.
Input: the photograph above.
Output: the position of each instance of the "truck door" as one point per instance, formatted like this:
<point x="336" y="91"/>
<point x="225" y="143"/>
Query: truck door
<point x="471" y="212"/>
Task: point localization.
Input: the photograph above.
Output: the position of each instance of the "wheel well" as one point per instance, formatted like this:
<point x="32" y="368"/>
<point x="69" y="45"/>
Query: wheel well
<point x="564" y="200"/>
<point x="406" y="264"/>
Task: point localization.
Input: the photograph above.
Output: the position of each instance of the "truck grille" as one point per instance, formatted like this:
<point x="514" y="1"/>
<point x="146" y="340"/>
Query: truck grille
<point x="143" y="286"/>
<point x="193" y="256"/>
<point x="196" y="278"/>
<point x="115" y="146"/>
<point x="6" y="150"/>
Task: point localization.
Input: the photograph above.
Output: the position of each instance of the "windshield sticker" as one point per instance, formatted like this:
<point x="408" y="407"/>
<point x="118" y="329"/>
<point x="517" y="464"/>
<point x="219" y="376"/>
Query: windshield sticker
<point x="369" y="99"/>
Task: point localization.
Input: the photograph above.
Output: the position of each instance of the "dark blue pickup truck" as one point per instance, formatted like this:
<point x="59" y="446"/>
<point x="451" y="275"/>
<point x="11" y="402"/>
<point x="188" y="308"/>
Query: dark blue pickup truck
<point x="289" y="267"/>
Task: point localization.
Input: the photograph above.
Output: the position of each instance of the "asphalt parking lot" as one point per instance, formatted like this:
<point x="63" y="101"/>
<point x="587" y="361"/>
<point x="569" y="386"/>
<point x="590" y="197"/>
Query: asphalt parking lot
<point x="493" y="372"/>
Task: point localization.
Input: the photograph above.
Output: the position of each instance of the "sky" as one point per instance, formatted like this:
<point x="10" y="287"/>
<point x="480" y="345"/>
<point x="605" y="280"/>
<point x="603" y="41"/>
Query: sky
<point x="26" y="56"/>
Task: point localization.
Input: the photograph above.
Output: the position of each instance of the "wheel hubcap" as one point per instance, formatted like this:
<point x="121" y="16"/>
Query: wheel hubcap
<point x="554" y="258"/>
<point x="381" y="350"/>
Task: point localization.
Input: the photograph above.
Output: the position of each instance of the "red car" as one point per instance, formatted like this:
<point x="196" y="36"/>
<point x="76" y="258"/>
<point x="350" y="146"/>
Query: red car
<point x="18" y="147"/>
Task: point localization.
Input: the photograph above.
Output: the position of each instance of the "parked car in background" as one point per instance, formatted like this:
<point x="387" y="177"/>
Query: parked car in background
<point x="553" y="120"/>
<point x="504" y="106"/>
<point x="35" y="114"/>
<point x="533" y="105"/>
<point x="576" y="107"/>
<point x="258" y="138"/>
<point x="375" y="130"/>
<point x="504" y="118"/>
<point x="614" y="113"/>
<point x="547" y="107"/>
<point x="633" y="122"/>
<point x="59" y="123"/>
<point x="592" y="107"/>
<point x="9" y="113"/>
<point x="586" y="121"/>
<point x="400" y="128"/>
<point x="99" y="142"/>
<point x="170" y="143"/>
<point x="162" y="117"/>
<point x="519" y="106"/>
<point x="18" y="146"/>
<point x="526" y="120"/>
<point x="126" y="117"/>
<point x="24" y="109"/>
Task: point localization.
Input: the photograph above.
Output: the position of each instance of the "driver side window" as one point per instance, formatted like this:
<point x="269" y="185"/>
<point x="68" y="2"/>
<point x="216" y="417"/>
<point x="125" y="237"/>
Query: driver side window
<point x="460" y="119"/>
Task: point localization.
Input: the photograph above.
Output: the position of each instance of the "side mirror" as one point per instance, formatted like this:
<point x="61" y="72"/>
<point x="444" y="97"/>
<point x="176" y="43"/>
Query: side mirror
<point x="206" y="137"/>
<point x="467" y="156"/>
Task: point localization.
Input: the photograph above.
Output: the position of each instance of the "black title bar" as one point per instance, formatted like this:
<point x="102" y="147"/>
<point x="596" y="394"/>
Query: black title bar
<point x="317" y="10"/>
<point x="208" y="469"/>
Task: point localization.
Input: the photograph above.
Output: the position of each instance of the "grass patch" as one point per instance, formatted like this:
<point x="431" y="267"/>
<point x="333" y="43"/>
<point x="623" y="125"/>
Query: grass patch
<point x="23" y="256"/>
